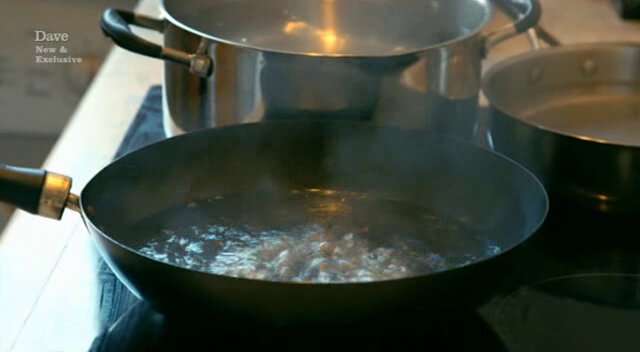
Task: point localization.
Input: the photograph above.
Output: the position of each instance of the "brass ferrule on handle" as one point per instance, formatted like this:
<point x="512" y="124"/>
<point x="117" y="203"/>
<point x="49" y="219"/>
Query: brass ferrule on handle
<point x="37" y="191"/>
<point x="56" y="190"/>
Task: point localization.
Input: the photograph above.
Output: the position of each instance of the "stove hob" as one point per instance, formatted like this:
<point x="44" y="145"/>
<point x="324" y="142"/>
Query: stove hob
<point x="143" y="329"/>
<point x="595" y="299"/>
<point x="588" y="312"/>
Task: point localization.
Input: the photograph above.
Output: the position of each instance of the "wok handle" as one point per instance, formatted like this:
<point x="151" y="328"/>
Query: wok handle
<point x="116" y="25"/>
<point x="526" y="15"/>
<point x="36" y="191"/>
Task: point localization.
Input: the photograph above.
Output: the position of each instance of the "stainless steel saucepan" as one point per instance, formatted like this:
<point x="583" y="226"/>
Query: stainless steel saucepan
<point x="571" y="114"/>
<point x="401" y="62"/>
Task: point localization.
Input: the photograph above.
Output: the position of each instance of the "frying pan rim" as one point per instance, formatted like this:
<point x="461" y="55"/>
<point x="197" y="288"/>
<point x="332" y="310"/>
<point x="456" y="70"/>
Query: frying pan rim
<point x="546" y="52"/>
<point x="434" y="139"/>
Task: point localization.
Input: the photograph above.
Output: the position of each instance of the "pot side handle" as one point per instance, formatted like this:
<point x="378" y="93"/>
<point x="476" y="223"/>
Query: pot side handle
<point x="37" y="191"/>
<point x="116" y="25"/>
<point x="526" y="15"/>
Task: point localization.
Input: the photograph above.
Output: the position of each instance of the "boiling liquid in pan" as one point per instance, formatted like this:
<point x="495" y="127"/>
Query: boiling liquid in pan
<point x="309" y="235"/>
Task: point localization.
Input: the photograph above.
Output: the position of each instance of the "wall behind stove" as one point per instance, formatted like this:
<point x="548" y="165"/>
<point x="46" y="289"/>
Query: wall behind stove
<point x="36" y="100"/>
<point x="39" y="98"/>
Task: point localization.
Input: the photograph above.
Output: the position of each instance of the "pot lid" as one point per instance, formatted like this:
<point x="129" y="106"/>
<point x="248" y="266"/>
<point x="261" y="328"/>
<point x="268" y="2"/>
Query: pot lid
<point x="331" y="27"/>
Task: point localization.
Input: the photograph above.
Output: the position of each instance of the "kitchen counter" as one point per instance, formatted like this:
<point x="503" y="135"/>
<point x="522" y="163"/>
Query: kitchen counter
<point x="31" y="247"/>
<point x="45" y="269"/>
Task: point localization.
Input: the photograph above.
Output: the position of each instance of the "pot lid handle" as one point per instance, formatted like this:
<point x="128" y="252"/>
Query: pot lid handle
<point x="526" y="15"/>
<point x="116" y="25"/>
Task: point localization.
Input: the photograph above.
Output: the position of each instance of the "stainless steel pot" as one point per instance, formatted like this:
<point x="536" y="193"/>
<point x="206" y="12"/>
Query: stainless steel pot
<point x="571" y="114"/>
<point x="401" y="62"/>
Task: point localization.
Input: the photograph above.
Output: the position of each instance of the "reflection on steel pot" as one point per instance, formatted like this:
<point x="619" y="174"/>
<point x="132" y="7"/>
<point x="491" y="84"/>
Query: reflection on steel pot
<point x="399" y="62"/>
<point x="571" y="115"/>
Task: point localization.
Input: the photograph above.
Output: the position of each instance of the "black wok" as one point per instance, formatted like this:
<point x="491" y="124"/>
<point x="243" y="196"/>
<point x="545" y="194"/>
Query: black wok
<point x="499" y="199"/>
